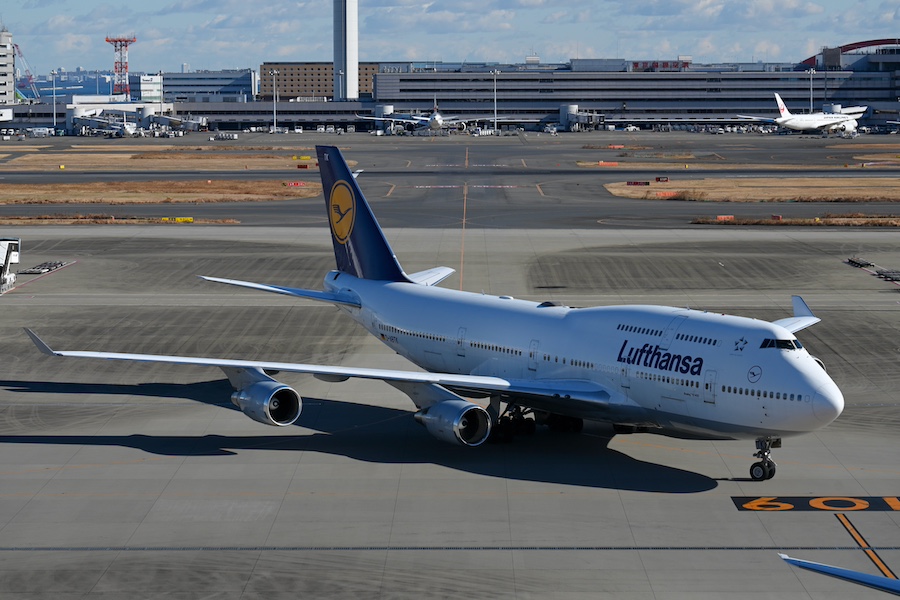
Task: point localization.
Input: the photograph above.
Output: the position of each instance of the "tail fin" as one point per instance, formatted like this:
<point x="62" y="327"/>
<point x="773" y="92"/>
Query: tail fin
<point x="360" y="247"/>
<point x="781" y="107"/>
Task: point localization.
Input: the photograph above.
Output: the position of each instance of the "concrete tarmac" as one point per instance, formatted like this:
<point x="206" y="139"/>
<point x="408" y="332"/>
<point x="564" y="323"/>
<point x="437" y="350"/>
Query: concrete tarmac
<point x="139" y="481"/>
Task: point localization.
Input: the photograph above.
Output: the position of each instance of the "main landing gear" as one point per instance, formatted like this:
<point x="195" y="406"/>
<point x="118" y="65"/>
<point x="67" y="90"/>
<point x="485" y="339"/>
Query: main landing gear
<point x="510" y="424"/>
<point x="765" y="468"/>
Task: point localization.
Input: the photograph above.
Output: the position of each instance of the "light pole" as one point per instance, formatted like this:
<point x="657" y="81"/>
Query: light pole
<point x="340" y="94"/>
<point x="53" y="83"/>
<point x="273" y="73"/>
<point x="811" y="73"/>
<point x="495" y="72"/>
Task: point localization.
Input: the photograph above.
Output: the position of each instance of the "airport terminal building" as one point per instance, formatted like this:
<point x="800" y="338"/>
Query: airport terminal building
<point x="580" y="94"/>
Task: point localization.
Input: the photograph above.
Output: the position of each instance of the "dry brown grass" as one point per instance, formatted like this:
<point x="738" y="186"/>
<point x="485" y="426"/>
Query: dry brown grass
<point x="162" y="157"/>
<point x="829" y="220"/>
<point x="153" y="192"/>
<point x="150" y="161"/>
<point x="106" y="220"/>
<point x="797" y="189"/>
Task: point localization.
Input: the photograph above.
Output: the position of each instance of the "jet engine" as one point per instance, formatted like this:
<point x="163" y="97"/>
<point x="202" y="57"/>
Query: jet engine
<point x="848" y="126"/>
<point x="457" y="422"/>
<point x="269" y="402"/>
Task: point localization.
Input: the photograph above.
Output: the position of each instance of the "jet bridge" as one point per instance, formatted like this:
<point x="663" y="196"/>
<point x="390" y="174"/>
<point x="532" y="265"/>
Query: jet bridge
<point x="9" y="249"/>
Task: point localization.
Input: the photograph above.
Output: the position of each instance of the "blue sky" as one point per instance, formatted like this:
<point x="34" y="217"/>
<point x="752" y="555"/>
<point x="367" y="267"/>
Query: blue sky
<point x="220" y="34"/>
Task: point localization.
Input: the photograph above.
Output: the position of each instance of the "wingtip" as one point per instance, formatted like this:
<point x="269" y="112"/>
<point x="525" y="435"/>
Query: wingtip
<point x="41" y="344"/>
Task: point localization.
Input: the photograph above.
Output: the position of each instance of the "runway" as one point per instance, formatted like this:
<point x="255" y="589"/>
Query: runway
<point x="130" y="480"/>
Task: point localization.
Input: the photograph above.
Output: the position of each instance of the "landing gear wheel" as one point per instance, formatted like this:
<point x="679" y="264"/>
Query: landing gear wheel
<point x="760" y="471"/>
<point x="765" y="468"/>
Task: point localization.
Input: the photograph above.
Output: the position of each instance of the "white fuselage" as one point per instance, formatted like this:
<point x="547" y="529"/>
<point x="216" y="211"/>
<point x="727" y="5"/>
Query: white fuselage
<point x="819" y="121"/>
<point x="683" y="371"/>
<point x="435" y="121"/>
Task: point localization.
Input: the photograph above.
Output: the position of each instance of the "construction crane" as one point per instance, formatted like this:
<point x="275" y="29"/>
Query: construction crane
<point x="29" y="77"/>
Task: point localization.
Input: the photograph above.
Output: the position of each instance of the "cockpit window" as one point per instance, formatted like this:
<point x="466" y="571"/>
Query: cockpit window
<point x="781" y="344"/>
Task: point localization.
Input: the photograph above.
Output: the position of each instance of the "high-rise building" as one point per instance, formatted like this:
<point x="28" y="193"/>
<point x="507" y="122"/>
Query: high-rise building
<point x="346" y="49"/>
<point x="7" y="67"/>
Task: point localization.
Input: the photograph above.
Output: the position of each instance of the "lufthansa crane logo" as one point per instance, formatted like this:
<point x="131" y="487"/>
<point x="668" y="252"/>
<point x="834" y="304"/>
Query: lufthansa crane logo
<point x="342" y="211"/>
<point x="754" y="374"/>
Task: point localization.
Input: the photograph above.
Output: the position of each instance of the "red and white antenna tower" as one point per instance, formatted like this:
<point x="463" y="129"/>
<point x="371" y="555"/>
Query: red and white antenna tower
<point x="120" y="69"/>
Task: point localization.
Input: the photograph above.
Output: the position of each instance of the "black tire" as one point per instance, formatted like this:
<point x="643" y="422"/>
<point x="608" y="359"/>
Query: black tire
<point x="759" y="471"/>
<point x="772" y="468"/>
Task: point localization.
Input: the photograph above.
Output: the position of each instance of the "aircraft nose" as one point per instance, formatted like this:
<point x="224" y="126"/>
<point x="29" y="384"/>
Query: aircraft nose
<point x="828" y="403"/>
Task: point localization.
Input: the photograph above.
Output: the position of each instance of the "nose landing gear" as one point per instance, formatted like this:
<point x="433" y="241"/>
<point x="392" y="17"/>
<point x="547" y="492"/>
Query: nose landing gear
<point x="765" y="468"/>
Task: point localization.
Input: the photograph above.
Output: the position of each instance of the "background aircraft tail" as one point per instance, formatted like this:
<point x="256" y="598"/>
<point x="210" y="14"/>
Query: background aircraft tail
<point x="781" y="106"/>
<point x="360" y="248"/>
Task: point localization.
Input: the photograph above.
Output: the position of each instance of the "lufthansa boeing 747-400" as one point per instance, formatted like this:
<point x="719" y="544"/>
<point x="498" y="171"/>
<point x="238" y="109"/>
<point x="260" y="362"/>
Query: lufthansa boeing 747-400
<point x="659" y="369"/>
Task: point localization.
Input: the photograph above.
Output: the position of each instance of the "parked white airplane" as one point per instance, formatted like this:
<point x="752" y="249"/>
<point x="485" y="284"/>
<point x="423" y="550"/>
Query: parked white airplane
<point x="674" y="371"/>
<point x="435" y="121"/>
<point x="843" y="122"/>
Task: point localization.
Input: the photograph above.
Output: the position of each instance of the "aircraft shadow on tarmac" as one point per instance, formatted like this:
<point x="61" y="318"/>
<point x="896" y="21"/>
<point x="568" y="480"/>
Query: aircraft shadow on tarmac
<point x="382" y="435"/>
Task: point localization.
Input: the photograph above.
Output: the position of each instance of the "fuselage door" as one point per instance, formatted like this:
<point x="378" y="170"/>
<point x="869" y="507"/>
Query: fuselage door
<point x="625" y="378"/>
<point x="461" y="342"/>
<point x="709" y="387"/>
<point x="669" y="334"/>
<point x="533" y="355"/>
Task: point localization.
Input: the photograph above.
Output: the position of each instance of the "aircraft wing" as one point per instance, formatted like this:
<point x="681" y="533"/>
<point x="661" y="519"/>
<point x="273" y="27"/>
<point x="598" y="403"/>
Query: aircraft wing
<point x="414" y="120"/>
<point x="331" y="373"/>
<point x="488" y="119"/>
<point x="760" y="119"/>
<point x="575" y="395"/>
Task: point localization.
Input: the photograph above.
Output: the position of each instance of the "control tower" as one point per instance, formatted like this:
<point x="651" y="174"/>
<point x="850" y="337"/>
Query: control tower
<point x="346" y="49"/>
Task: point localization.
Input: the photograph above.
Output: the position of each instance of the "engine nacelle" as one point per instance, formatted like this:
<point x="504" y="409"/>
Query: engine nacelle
<point x="269" y="402"/>
<point x="457" y="422"/>
<point x="848" y="126"/>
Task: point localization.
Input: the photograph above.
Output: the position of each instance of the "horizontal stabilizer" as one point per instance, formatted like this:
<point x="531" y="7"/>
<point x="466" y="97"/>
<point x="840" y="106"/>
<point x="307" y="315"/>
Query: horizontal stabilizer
<point x="432" y="276"/>
<point x="297" y="292"/>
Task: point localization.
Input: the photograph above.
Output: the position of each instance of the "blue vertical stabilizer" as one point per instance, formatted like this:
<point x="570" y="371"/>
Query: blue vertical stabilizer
<point x="360" y="247"/>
